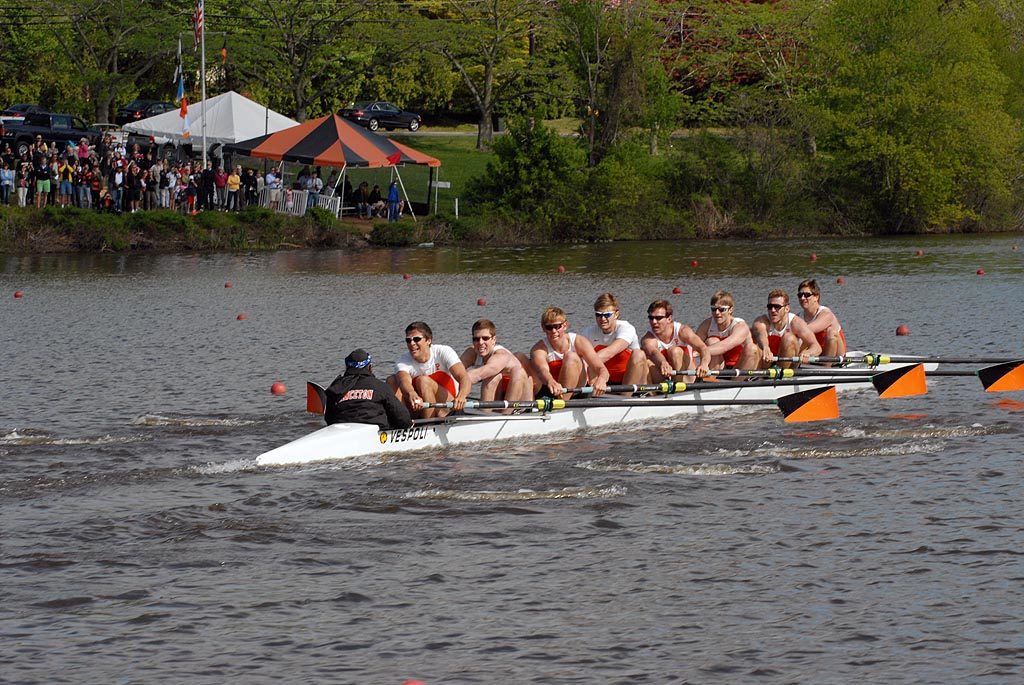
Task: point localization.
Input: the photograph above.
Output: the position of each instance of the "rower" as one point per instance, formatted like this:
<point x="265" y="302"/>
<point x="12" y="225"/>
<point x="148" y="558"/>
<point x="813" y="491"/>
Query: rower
<point x="427" y="373"/>
<point x="728" y="337"/>
<point x="500" y="374"/>
<point x="563" y="360"/>
<point x="616" y="343"/>
<point x="821" y="320"/>
<point x="671" y="345"/>
<point x="357" y="396"/>
<point x="781" y="333"/>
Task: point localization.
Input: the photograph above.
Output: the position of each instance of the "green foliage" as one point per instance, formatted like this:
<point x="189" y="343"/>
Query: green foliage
<point x="532" y="170"/>
<point x="398" y="234"/>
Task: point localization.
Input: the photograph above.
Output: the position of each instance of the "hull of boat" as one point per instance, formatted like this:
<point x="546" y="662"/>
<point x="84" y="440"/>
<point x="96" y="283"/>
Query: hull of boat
<point x="347" y="440"/>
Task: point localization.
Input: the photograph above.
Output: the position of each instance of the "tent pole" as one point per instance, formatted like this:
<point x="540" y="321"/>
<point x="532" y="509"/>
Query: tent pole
<point x="430" y="184"/>
<point x="405" y="192"/>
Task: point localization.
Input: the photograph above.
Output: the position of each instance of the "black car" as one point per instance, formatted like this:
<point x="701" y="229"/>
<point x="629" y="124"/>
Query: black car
<point x="375" y="115"/>
<point x="141" y="109"/>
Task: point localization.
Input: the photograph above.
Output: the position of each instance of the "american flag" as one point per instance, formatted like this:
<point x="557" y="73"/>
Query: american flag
<point x="197" y="22"/>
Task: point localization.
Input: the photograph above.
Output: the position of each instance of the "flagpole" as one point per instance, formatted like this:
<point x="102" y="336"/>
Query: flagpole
<point x="202" y="70"/>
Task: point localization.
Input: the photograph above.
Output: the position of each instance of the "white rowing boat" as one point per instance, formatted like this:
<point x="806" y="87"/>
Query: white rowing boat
<point x="347" y="440"/>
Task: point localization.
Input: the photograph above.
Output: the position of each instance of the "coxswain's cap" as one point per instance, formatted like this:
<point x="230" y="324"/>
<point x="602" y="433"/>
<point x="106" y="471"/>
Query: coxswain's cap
<point x="358" y="359"/>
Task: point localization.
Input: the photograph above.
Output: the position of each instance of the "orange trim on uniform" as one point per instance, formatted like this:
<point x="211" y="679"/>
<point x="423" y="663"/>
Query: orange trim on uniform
<point x="731" y="357"/>
<point x="444" y="380"/>
<point x="616" y="365"/>
<point x="821" y="335"/>
<point x="505" y="380"/>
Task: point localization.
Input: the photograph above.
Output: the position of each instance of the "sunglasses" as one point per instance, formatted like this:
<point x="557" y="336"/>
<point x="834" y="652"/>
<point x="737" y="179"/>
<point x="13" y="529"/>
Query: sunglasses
<point x="414" y="339"/>
<point x="482" y="338"/>
<point x="802" y="295"/>
<point x="651" y="317"/>
<point x="775" y="307"/>
<point x="553" y="326"/>
<point x="720" y="309"/>
<point x="604" y="315"/>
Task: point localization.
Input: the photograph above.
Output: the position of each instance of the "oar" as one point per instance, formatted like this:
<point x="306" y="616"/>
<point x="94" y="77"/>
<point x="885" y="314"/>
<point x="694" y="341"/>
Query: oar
<point x="874" y="359"/>
<point x="1005" y="377"/>
<point x="674" y="387"/>
<point x="316" y="398"/>
<point x="816" y="404"/>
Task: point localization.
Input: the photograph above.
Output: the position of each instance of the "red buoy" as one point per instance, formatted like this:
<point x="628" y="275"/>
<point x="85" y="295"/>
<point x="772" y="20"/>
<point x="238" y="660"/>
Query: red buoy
<point x="228" y="284"/>
<point x="18" y="294"/>
<point x="903" y="329"/>
<point x="278" y="388"/>
<point x="561" y="269"/>
<point x="695" y="264"/>
<point x="406" y="276"/>
<point x="414" y="682"/>
<point x="677" y="290"/>
<point x="240" y="317"/>
<point x="840" y="280"/>
<point x="919" y="253"/>
<point x="980" y="272"/>
<point x="814" y="257"/>
<point x="481" y="301"/>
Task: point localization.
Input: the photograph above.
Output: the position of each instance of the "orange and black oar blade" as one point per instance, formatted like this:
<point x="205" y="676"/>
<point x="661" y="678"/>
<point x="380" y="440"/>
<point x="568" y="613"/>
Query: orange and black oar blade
<point x="816" y="404"/>
<point x="1003" y="377"/>
<point x="316" y="398"/>
<point x="903" y="381"/>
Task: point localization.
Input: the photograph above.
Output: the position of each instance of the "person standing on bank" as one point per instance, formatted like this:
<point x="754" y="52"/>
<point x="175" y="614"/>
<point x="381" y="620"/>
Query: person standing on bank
<point x="393" y="200"/>
<point x="357" y="396"/>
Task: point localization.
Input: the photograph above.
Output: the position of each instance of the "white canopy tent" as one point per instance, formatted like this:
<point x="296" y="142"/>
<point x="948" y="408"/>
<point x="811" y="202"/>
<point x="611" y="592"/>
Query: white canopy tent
<point x="230" y="118"/>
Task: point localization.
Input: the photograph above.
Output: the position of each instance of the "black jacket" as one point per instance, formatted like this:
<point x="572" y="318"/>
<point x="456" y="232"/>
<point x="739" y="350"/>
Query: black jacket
<point x="360" y="397"/>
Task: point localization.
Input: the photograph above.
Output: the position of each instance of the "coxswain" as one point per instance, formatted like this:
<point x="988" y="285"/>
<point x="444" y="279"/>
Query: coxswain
<point x="498" y="371"/>
<point x="357" y="396"/>
<point x="781" y="333"/>
<point x="728" y="337"/>
<point x="671" y="345"/>
<point x="428" y="373"/>
<point x="616" y="343"/>
<point x="562" y="360"/>
<point x="822" y="321"/>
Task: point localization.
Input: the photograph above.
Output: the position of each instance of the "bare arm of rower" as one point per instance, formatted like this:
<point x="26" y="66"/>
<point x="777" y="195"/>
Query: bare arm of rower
<point x="823" y="321"/>
<point x="688" y="336"/>
<point x="809" y="346"/>
<point x="539" y="359"/>
<point x="459" y="373"/>
<point x="616" y="346"/>
<point x="412" y="398"/>
<point x="596" y="370"/>
<point x="738" y="336"/>
<point x="649" y="345"/>
<point x="760" y="334"/>
<point x="499" y="361"/>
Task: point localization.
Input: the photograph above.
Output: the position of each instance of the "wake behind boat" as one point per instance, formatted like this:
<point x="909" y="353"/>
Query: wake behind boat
<point x="347" y="440"/>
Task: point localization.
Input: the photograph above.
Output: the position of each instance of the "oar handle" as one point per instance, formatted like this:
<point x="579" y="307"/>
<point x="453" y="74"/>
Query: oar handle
<point x="666" y="388"/>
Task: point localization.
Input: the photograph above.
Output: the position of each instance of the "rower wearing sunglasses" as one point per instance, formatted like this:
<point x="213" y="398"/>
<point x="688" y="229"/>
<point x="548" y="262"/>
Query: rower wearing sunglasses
<point x="821" y="320"/>
<point x="428" y="373"/>
<point x="728" y="337"/>
<point x="499" y="372"/>
<point x="781" y="333"/>
<point x="616" y="343"/>
<point x="563" y="360"/>
<point x="672" y="346"/>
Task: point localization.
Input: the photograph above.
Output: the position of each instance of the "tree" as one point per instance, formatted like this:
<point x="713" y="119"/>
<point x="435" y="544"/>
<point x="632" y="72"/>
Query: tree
<point x="914" y="104"/>
<point x="487" y="43"/>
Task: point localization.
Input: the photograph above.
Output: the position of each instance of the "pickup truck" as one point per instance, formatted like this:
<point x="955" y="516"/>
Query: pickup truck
<point x="55" y="129"/>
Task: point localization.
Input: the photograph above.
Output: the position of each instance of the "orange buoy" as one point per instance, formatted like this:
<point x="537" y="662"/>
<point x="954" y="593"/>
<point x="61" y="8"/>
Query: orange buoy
<point x="814" y="257"/>
<point x="18" y="294"/>
<point x="695" y="264"/>
<point x="481" y="301"/>
<point x="980" y="272"/>
<point x="919" y="253"/>
<point x="278" y="388"/>
<point x="414" y="682"/>
<point x="228" y="284"/>
<point x="561" y="268"/>
<point x="840" y="280"/>
<point x="903" y="329"/>
<point x="677" y="290"/>
<point x="240" y="317"/>
<point x="406" y="276"/>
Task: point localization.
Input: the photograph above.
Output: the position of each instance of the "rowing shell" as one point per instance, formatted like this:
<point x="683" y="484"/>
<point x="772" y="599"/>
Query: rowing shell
<point x="347" y="440"/>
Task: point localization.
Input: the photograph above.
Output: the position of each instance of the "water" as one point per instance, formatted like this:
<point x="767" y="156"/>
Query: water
<point x="140" y="544"/>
